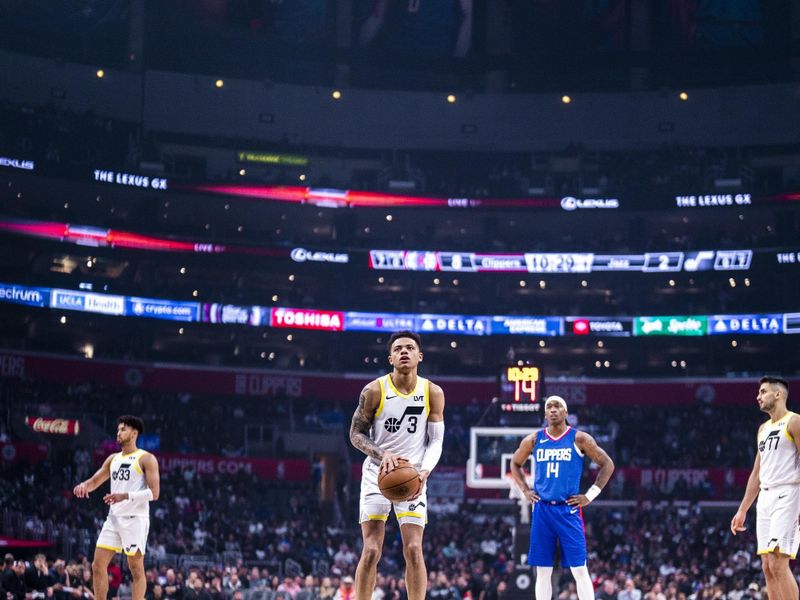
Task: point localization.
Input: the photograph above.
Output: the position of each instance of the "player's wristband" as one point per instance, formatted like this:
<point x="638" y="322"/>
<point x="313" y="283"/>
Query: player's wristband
<point x="592" y="493"/>
<point x="146" y="493"/>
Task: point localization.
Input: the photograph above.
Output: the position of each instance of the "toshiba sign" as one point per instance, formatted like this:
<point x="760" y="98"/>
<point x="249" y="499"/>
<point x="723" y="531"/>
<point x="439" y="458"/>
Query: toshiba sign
<point x="307" y="319"/>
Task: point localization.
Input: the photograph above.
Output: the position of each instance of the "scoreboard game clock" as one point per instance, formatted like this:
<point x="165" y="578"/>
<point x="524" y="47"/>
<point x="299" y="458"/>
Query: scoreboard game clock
<point x="520" y="389"/>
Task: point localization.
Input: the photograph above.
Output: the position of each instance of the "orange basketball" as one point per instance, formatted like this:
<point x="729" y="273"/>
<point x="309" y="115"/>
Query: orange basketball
<point x="400" y="484"/>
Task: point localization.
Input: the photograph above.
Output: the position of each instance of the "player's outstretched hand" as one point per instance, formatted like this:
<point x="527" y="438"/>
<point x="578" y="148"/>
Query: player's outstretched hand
<point x="81" y="491"/>
<point x="578" y="500"/>
<point x="390" y="461"/>
<point x="737" y="522"/>
<point x="114" y="498"/>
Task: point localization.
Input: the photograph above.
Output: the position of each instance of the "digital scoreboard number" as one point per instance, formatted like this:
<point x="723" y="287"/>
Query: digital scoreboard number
<point x="520" y="389"/>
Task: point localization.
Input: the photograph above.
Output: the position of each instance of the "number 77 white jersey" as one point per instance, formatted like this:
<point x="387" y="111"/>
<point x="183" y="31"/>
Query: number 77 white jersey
<point x="401" y="420"/>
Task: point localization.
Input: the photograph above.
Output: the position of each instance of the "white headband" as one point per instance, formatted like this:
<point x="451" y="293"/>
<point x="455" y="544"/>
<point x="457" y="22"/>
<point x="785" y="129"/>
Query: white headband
<point x="558" y="399"/>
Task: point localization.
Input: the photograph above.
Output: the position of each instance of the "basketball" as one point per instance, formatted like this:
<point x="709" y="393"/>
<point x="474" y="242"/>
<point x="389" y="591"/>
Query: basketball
<point x="400" y="484"/>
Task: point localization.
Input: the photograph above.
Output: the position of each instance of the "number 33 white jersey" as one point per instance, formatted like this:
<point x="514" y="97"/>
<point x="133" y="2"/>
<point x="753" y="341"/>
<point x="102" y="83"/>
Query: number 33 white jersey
<point x="127" y="476"/>
<point x="401" y="421"/>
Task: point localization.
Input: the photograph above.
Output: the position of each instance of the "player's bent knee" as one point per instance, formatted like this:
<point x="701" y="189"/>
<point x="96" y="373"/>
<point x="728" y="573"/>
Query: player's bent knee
<point x="371" y="554"/>
<point x="136" y="568"/>
<point x="412" y="550"/>
<point x="768" y="565"/>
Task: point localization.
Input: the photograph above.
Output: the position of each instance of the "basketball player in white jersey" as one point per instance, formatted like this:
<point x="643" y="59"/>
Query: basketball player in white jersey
<point x="399" y="416"/>
<point x="134" y="484"/>
<point x="775" y="480"/>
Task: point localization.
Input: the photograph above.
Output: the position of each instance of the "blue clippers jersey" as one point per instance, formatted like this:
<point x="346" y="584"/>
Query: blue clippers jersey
<point x="558" y="465"/>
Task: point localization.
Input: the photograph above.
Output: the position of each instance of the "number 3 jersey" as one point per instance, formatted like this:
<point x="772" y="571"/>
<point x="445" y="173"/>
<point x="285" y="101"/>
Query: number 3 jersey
<point x="127" y="475"/>
<point x="558" y="465"/>
<point x="401" y="420"/>
<point x="780" y="461"/>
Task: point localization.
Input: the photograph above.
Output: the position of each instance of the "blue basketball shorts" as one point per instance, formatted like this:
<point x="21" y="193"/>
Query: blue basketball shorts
<point x="551" y="522"/>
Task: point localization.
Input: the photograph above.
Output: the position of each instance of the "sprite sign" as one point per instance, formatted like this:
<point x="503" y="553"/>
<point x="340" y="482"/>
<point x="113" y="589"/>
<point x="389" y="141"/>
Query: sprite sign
<point x="679" y="325"/>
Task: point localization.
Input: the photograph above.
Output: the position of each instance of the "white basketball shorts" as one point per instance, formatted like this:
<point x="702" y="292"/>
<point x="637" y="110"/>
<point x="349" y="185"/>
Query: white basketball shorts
<point x="374" y="506"/>
<point x="777" y="512"/>
<point x="124" y="534"/>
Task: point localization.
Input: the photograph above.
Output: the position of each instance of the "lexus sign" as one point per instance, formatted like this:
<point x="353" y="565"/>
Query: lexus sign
<point x="571" y="203"/>
<point x="303" y="255"/>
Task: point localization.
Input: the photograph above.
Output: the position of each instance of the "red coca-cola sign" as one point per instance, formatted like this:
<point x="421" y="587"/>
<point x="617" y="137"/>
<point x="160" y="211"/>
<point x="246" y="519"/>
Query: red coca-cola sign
<point x="54" y="426"/>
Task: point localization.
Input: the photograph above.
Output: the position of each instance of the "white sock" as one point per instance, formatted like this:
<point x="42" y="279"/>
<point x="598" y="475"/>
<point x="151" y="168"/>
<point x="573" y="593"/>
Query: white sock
<point x="544" y="584"/>
<point x="583" y="582"/>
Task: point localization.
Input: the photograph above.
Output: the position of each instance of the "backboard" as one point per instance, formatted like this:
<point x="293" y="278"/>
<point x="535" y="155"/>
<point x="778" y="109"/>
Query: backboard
<point x="490" y="452"/>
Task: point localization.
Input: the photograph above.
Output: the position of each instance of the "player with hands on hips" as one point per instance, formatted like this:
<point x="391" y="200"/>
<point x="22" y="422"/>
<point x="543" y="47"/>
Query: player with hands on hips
<point x="558" y="453"/>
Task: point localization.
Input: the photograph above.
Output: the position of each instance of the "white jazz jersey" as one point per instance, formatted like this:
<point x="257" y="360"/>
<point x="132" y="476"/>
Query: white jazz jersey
<point x="401" y="421"/>
<point x="127" y="475"/>
<point x="780" y="459"/>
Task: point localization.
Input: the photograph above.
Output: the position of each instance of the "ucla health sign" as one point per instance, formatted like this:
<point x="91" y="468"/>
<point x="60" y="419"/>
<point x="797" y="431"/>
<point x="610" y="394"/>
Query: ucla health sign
<point x="104" y="304"/>
<point x="745" y="324"/>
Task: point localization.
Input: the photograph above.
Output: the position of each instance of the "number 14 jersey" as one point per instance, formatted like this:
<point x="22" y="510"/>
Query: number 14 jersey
<point x="401" y="420"/>
<point x="558" y="464"/>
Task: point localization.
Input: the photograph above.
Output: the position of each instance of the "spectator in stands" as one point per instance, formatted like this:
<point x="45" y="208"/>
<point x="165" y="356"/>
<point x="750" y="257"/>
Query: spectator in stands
<point x="289" y="586"/>
<point x="326" y="589"/>
<point x="345" y="558"/>
<point x="37" y="577"/>
<point x="86" y="585"/>
<point x="13" y="579"/>
<point x="198" y="590"/>
<point x="630" y="591"/>
<point x="231" y="582"/>
<point x="172" y="586"/>
<point x="441" y="588"/>
<point x="59" y="579"/>
<point x="310" y="585"/>
<point x="156" y="593"/>
<point x="753" y="592"/>
<point x="346" y="590"/>
<point x="379" y="593"/>
<point x="255" y="580"/>
<point x="608" y="591"/>
<point x="215" y="589"/>
<point x="114" y="578"/>
<point x="655" y="593"/>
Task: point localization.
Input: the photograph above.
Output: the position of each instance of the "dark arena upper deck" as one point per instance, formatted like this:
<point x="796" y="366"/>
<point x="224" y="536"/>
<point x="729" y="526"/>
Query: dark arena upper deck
<point x="214" y="215"/>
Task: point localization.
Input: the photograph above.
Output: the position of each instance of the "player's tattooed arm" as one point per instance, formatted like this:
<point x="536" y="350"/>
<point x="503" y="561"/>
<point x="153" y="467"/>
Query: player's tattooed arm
<point x="362" y="423"/>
